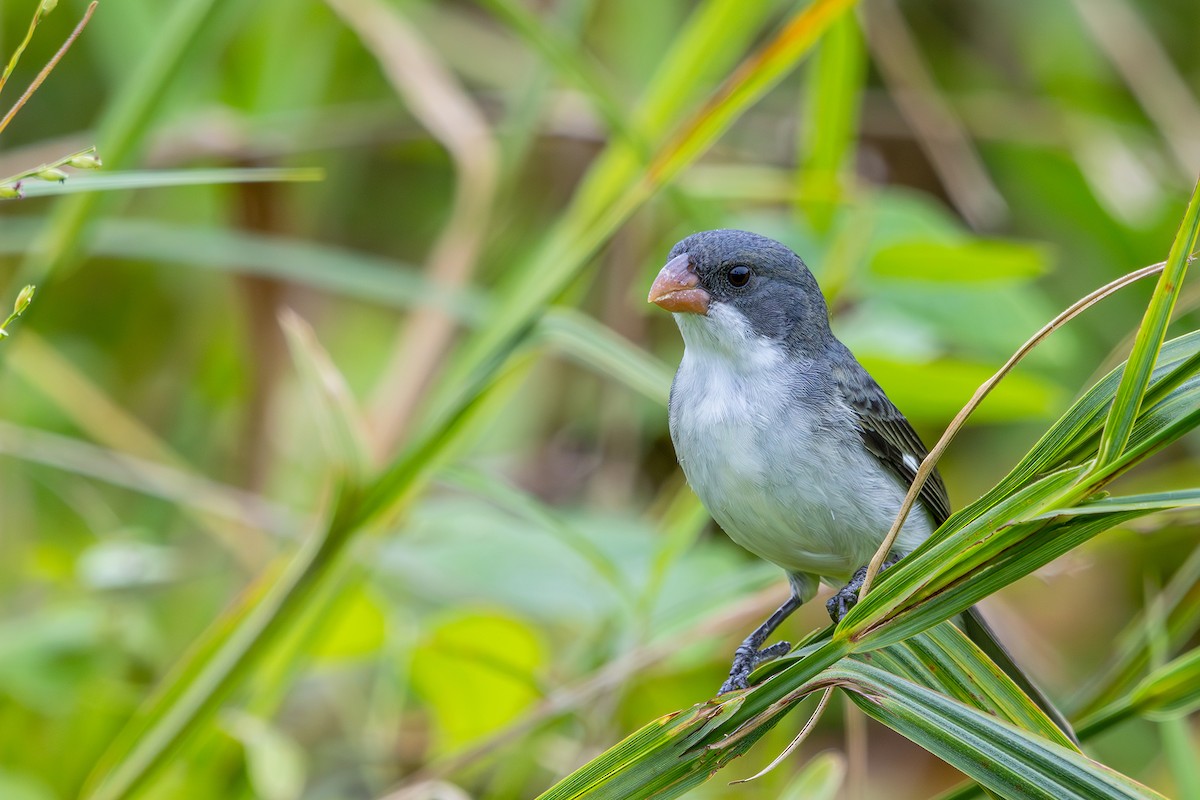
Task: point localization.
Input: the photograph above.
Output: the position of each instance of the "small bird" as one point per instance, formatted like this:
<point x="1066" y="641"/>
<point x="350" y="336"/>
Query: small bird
<point x="791" y="445"/>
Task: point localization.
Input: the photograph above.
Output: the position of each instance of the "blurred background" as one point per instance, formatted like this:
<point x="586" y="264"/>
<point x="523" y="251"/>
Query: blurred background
<point x="954" y="173"/>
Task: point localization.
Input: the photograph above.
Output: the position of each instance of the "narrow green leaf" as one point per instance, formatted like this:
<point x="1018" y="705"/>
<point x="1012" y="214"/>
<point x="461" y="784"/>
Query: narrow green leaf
<point x="1136" y="377"/>
<point x="1154" y="501"/>
<point x="158" y="179"/>
<point x="1011" y="762"/>
<point x="1171" y="690"/>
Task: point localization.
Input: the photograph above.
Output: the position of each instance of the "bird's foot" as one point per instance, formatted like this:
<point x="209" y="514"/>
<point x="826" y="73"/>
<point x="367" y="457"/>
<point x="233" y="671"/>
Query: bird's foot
<point x="746" y="659"/>
<point x="847" y="597"/>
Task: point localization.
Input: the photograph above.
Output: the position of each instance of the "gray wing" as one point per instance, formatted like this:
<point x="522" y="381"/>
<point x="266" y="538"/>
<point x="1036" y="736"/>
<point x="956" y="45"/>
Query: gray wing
<point x="890" y="437"/>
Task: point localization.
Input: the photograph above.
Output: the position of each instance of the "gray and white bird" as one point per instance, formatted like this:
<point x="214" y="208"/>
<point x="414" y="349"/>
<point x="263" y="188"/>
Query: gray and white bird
<point x="791" y="445"/>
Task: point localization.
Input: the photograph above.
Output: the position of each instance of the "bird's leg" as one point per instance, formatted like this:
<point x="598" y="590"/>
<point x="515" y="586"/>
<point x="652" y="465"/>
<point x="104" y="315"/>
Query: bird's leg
<point x="847" y="596"/>
<point x="749" y="655"/>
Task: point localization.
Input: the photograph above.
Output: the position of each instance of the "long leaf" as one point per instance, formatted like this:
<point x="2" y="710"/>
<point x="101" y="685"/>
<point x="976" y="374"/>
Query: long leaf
<point x="158" y="179"/>
<point x="1124" y="411"/>
<point x="1011" y="762"/>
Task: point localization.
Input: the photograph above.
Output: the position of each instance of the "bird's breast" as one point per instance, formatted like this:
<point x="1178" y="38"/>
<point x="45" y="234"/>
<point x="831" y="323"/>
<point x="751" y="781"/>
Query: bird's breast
<point x="774" y="466"/>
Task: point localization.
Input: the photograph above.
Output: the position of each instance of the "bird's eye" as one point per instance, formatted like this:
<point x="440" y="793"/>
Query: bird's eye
<point x="739" y="276"/>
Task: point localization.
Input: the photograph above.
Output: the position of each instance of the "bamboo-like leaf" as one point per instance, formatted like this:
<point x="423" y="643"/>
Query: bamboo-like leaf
<point x="945" y="660"/>
<point x="1124" y="412"/>
<point x="1154" y="501"/>
<point x="158" y="179"/>
<point x="1011" y="762"/>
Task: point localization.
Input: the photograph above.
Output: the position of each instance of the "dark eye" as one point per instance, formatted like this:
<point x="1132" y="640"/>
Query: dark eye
<point x="738" y="276"/>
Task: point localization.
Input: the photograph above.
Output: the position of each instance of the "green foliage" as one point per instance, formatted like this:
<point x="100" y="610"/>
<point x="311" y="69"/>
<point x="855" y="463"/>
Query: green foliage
<point x="223" y="577"/>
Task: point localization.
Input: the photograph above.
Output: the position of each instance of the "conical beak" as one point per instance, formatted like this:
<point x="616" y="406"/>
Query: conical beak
<point x="677" y="288"/>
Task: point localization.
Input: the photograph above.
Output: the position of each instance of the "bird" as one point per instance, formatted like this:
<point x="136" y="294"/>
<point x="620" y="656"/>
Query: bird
<point x="793" y="448"/>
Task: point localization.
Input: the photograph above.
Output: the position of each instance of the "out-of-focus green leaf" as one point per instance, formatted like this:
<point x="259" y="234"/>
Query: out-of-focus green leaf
<point x="275" y="763"/>
<point x="1181" y="601"/>
<point x="477" y="672"/>
<point x="16" y="786"/>
<point x="1172" y="690"/>
<point x="830" y="122"/>
<point x="607" y="352"/>
<point x="359" y="275"/>
<point x="821" y="778"/>
<point x="1019" y="396"/>
<point x="157" y="179"/>
<point x="127" y="120"/>
<point x="959" y="262"/>
<point x="356" y="629"/>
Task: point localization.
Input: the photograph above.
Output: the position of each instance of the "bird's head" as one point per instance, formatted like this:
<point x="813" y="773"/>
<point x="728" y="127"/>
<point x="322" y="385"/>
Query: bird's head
<point x="729" y="285"/>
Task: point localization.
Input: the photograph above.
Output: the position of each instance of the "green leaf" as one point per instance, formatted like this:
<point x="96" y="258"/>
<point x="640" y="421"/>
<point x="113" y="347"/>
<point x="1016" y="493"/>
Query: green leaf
<point x="275" y="763"/>
<point x="157" y="179"/>
<point x="833" y="90"/>
<point x="127" y="119"/>
<point x="1136" y="376"/>
<point x="820" y="779"/>
<point x="1011" y="762"/>
<point x="477" y="672"/>
<point x="1172" y="690"/>
<point x="960" y="262"/>
<point x="1154" y="501"/>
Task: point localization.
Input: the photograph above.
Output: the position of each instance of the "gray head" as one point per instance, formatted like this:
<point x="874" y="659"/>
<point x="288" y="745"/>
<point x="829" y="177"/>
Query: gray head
<point x="735" y="279"/>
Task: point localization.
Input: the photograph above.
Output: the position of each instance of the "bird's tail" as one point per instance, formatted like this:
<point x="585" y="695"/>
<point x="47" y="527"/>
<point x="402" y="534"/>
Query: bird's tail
<point x="979" y="632"/>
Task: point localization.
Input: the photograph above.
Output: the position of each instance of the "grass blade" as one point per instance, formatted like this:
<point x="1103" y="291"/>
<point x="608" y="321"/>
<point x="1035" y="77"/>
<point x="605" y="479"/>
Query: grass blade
<point x="1136" y="377"/>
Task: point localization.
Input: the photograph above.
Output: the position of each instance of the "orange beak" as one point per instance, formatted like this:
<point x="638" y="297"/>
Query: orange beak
<point x="677" y="288"/>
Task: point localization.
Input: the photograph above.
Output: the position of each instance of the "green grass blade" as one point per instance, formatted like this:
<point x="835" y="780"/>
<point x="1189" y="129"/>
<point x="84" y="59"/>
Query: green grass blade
<point x="1124" y="411"/>
<point x="1011" y="762"/>
<point x="157" y="179"/>
<point x="1154" y="501"/>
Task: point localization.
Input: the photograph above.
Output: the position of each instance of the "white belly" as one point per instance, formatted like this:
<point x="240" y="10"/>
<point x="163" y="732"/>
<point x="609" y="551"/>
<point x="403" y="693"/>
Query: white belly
<point x="778" y="475"/>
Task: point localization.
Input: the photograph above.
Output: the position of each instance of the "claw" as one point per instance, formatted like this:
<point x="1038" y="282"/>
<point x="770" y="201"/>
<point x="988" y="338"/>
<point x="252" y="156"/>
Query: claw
<point x="847" y="597"/>
<point x="746" y="660"/>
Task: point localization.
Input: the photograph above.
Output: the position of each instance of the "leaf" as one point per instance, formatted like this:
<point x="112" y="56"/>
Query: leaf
<point x="357" y="627"/>
<point x="1009" y="761"/>
<point x="1136" y="376"/>
<point x="477" y="672"/>
<point x="159" y="179"/>
<point x="1172" y="690"/>
<point x="275" y="763"/>
<point x="820" y="779"/>
<point x="607" y="352"/>
<point x="127" y="118"/>
<point x="1020" y="396"/>
<point x="959" y="262"/>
